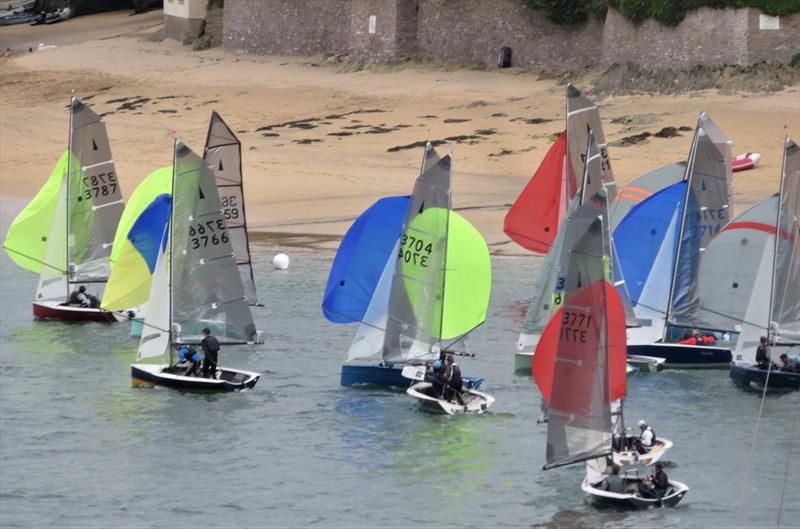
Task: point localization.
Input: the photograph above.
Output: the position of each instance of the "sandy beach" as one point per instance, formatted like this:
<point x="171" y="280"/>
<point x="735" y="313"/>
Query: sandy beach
<point x="320" y="142"/>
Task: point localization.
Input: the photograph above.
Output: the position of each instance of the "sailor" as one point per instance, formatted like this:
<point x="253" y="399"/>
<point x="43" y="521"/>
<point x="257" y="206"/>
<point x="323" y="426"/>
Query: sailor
<point x="614" y="482"/>
<point x="788" y="366"/>
<point x="658" y="486"/>
<point x="762" y="354"/>
<point x="698" y="338"/>
<point x="452" y="374"/>
<point x="210" y="347"/>
<point x="437" y="377"/>
<point x="189" y="356"/>
<point x="81" y="298"/>
<point x="647" y="438"/>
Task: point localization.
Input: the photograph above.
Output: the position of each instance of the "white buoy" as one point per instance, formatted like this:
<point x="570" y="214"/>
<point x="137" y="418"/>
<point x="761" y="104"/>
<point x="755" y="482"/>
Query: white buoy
<point x="281" y="261"/>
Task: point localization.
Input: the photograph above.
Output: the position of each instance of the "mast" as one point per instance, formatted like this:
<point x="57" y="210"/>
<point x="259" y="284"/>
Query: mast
<point x="69" y="179"/>
<point x="171" y="241"/>
<point x="446" y="229"/>
<point x="687" y="176"/>
<point x="777" y="239"/>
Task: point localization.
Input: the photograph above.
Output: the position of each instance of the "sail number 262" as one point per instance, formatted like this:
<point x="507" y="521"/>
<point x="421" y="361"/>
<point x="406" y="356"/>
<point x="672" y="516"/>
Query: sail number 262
<point x="415" y="251"/>
<point x="209" y="233"/>
<point x="574" y="326"/>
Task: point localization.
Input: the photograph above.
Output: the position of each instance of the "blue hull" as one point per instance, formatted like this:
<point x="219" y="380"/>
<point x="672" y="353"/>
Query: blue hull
<point x="744" y="375"/>
<point x="688" y="356"/>
<point x="378" y="375"/>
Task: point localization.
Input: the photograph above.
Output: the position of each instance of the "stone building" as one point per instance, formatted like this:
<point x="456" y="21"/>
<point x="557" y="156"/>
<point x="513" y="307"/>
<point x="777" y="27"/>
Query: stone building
<point x="476" y="30"/>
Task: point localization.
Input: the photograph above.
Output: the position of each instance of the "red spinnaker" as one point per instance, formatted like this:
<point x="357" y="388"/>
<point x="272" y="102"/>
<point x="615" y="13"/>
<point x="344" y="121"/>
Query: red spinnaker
<point x="579" y="343"/>
<point x="533" y="220"/>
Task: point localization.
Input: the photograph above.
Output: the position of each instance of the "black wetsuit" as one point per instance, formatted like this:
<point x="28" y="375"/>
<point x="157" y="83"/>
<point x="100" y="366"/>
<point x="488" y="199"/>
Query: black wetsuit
<point x="210" y="349"/>
<point x="762" y="357"/>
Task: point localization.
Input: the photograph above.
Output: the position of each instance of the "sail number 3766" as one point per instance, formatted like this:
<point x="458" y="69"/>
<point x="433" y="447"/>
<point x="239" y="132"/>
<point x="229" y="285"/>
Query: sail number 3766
<point x="209" y="233"/>
<point x="415" y="251"/>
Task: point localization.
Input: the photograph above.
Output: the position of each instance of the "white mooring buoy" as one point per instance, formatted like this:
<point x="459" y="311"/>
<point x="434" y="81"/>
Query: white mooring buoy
<point x="281" y="261"/>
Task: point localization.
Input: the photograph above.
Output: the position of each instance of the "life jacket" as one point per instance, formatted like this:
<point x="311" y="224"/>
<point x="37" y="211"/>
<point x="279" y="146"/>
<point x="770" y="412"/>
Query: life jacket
<point x="650" y="429"/>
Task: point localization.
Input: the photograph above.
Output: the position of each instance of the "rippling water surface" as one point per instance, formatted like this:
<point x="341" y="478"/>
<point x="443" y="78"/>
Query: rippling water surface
<point x="80" y="448"/>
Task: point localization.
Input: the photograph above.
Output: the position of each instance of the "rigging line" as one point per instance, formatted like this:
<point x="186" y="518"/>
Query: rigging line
<point x="753" y="444"/>
<point x="35" y="260"/>
<point x="786" y="474"/>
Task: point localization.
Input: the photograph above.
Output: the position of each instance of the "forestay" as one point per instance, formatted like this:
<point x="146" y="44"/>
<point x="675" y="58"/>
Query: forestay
<point x="205" y="282"/>
<point x="706" y="212"/>
<point x="94" y="198"/>
<point x="223" y="152"/>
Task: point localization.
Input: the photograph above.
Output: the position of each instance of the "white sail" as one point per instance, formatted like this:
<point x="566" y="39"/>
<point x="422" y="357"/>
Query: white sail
<point x="53" y="277"/>
<point x="156" y="336"/>
<point x="368" y="341"/>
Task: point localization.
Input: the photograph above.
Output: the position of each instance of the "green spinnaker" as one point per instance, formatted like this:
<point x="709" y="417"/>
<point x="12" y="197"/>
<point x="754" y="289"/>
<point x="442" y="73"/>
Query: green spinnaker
<point x="158" y="183"/>
<point x="468" y="272"/>
<point x="26" y="239"/>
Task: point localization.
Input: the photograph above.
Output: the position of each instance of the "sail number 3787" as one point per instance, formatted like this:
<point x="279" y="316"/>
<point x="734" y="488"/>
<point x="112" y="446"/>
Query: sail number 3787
<point x="101" y="184"/>
<point x="209" y="233"/>
<point x="415" y="251"/>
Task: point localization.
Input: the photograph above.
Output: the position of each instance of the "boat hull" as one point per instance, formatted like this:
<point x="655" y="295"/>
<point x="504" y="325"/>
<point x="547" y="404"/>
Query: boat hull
<point x="474" y="401"/>
<point x="685" y="356"/>
<point x="751" y="375"/>
<point x="522" y="363"/>
<point x="149" y="375"/>
<point x="628" y="458"/>
<point x="383" y="375"/>
<point x="57" y="311"/>
<point x="646" y="364"/>
<point x="633" y="499"/>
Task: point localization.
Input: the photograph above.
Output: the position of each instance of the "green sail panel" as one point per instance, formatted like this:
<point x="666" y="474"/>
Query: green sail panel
<point x="159" y="182"/>
<point x="27" y="237"/>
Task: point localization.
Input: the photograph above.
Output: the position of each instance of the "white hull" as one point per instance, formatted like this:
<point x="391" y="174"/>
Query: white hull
<point x="632" y="498"/>
<point x="647" y="364"/>
<point x="474" y="401"/>
<point x="632" y="457"/>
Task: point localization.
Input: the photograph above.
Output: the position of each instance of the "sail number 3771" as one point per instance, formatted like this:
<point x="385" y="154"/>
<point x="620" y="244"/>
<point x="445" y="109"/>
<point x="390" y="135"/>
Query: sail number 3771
<point x="209" y="233"/>
<point x="574" y="326"/>
<point x="415" y="251"/>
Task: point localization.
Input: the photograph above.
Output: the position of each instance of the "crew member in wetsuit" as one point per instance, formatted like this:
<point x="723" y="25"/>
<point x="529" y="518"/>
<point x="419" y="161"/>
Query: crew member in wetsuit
<point x="659" y="486"/>
<point x="210" y="347"/>
<point x="189" y="355"/>
<point x="81" y="298"/>
<point x="437" y="377"/>
<point x="452" y="375"/>
<point x="762" y="354"/>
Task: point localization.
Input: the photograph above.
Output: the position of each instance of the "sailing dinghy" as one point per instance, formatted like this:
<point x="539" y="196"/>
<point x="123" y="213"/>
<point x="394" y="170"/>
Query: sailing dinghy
<point x="196" y="284"/>
<point x="660" y="244"/>
<point x="388" y="270"/>
<point x="777" y="268"/>
<point x="65" y="233"/>
<point x="535" y="218"/>
<point x="580" y="362"/>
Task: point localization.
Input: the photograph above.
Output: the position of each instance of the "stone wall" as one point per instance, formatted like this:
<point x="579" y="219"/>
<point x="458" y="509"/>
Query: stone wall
<point x="475" y="30"/>
<point x="705" y="36"/>
<point x="772" y="45"/>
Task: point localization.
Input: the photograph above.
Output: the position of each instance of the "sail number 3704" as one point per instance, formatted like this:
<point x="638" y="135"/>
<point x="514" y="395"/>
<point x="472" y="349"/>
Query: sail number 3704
<point x="415" y="251"/>
<point x="209" y="233"/>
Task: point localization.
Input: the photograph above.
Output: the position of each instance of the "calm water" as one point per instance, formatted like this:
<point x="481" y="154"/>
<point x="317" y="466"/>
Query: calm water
<point x="80" y="448"/>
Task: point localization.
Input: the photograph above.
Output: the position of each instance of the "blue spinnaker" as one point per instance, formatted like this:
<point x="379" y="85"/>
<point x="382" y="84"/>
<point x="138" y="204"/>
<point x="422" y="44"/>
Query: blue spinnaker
<point x="639" y="236"/>
<point x="148" y="231"/>
<point x="361" y="258"/>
